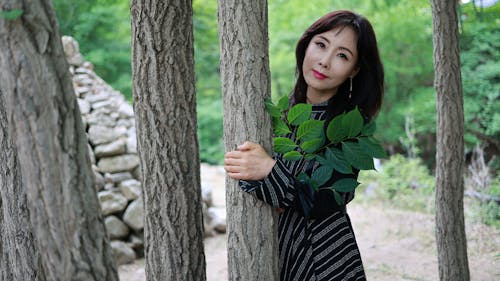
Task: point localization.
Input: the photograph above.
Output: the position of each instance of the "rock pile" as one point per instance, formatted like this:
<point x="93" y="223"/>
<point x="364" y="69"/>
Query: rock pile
<point x="110" y="126"/>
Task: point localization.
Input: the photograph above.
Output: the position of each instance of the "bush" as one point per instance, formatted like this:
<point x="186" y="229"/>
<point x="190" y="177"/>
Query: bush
<point x="210" y="132"/>
<point x="402" y="182"/>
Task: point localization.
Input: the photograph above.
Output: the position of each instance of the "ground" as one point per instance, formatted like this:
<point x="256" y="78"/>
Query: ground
<point x="394" y="244"/>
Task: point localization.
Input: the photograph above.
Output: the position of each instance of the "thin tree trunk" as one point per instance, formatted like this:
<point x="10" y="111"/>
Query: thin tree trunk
<point x="252" y="238"/>
<point x="51" y="144"/>
<point x="165" y="112"/>
<point x="19" y="258"/>
<point x="450" y="229"/>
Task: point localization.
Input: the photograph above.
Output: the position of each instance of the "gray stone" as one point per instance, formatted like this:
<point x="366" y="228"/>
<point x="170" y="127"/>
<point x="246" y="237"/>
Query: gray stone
<point x="72" y="51"/>
<point x="122" y="163"/>
<point x="207" y="220"/>
<point x="131" y="189"/>
<point x="112" y="202"/>
<point x="102" y="134"/>
<point x="104" y="103"/>
<point x="125" y="123"/>
<point x="136" y="173"/>
<point x="88" y="65"/>
<point x="117" y="177"/>
<point x="99" y="179"/>
<point x="83" y="70"/>
<point x="97" y="97"/>
<point x="80" y="91"/>
<point x="110" y="149"/>
<point x="134" y="215"/>
<point x="111" y="187"/>
<point x="82" y="77"/>
<point x="115" y="115"/>
<point x="84" y="124"/>
<point x="116" y="228"/>
<point x="137" y="243"/>
<point x="91" y="154"/>
<point x="122" y="252"/>
<point x="84" y="106"/>
<point x="217" y="219"/>
<point x="206" y="194"/>
<point x="131" y="142"/>
<point x="126" y="110"/>
<point x="83" y="80"/>
<point x="101" y="117"/>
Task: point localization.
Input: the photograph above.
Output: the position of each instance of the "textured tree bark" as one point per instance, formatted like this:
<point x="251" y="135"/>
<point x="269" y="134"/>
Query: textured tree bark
<point x="55" y="169"/>
<point x="252" y="237"/>
<point x="165" y="112"/>
<point x="19" y="258"/>
<point x="450" y="229"/>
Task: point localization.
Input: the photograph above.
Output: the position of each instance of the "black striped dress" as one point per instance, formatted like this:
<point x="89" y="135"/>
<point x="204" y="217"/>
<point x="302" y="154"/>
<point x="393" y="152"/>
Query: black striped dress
<point x="310" y="249"/>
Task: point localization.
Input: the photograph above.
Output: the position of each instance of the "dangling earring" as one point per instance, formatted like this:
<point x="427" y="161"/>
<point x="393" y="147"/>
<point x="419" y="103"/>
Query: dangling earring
<point x="350" y="88"/>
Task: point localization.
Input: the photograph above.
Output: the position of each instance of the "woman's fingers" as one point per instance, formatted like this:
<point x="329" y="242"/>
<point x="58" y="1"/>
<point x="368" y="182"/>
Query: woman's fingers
<point x="249" y="162"/>
<point x="248" y="145"/>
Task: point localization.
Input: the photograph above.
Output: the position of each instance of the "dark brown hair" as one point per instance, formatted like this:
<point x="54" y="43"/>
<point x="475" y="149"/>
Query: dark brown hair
<point x="368" y="84"/>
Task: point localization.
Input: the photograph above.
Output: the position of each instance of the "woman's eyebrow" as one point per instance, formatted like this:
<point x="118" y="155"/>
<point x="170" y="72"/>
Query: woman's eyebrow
<point x="324" y="38"/>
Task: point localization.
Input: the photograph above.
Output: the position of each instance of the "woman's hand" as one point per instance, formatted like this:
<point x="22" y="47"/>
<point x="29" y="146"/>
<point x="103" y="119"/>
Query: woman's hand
<point x="248" y="162"/>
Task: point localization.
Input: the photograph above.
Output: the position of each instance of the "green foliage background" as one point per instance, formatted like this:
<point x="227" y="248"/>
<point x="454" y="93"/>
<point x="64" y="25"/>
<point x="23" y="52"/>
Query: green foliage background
<point x="404" y="33"/>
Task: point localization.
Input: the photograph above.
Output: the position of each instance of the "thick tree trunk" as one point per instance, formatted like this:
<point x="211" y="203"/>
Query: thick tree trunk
<point x="252" y="238"/>
<point x="52" y="148"/>
<point x="450" y="229"/>
<point x="19" y="258"/>
<point x="165" y="112"/>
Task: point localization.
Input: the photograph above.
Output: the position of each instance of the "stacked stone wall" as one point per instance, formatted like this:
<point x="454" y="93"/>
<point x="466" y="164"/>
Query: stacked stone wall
<point x="110" y="126"/>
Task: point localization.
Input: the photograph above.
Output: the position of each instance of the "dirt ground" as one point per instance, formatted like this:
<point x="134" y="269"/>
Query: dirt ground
<point x="394" y="244"/>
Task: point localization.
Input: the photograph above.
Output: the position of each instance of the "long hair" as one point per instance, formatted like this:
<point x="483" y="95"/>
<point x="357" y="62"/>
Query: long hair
<point x="368" y="84"/>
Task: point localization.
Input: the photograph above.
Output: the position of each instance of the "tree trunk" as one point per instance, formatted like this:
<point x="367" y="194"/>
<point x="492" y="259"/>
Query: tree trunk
<point x="165" y="112"/>
<point x="19" y="258"/>
<point x="450" y="229"/>
<point x="252" y="237"/>
<point x="55" y="169"/>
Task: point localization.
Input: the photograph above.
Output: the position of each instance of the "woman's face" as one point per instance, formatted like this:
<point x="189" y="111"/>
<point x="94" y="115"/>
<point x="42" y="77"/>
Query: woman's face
<point x="330" y="59"/>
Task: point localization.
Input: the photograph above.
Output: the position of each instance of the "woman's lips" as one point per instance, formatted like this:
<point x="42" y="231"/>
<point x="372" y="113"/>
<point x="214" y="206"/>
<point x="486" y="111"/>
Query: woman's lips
<point x="319" y="75"/>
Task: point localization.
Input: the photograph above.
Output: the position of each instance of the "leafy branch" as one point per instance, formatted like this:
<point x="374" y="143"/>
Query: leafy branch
<point x="346" y="143"/>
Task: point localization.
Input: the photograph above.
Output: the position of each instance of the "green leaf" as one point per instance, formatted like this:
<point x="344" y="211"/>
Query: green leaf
<point x="280" y="128"/>
<point x="337" y="160"/>
<point x="283" y="103"/>
<point x="303" y="177"/>
<point x="283" y="145"/>
<point x="372" y="147"/>
<point x="369" y="129"/>
<point x="272" y="109"/>
<point x="299" y="113"/>
<point x="335" y="131"/>
<point x="345" y="185"/>
<point x="309" y="156"/>
<point x="321" y="175"/>
<point x="356" y="156"/>
<point x="11" y="14"/>
<point x="353" y="122"/>
<point x="310" y="129"/>
<point x="292" y="155"/>
<point x="338" y="198"/>
<point x="312" y="146"/>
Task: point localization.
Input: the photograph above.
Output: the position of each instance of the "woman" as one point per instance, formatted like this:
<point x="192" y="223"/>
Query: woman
<point x="338" y="68"/>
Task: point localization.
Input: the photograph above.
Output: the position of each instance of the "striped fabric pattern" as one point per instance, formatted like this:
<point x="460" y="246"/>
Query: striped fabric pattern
<point x="310" y="250"/>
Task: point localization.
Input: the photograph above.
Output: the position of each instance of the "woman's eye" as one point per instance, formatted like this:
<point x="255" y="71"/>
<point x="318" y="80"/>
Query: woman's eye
<point x="342" y="55"/>
<point x="320" y="44"/>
